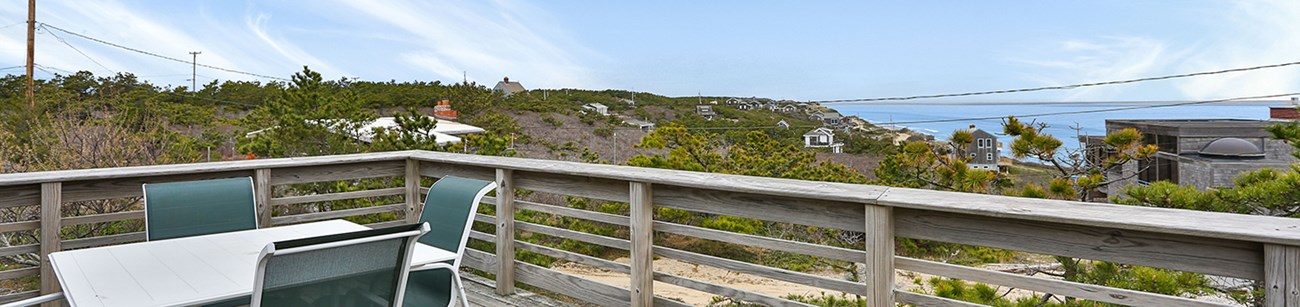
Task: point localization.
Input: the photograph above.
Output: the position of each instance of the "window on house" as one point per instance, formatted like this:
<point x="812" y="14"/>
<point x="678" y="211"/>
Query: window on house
<point x="972" y="155"/>
<point x="989" y="156"/>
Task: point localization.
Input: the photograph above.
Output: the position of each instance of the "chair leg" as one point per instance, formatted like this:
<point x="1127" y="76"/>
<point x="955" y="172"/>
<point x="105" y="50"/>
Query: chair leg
<point x="460" y="286"/>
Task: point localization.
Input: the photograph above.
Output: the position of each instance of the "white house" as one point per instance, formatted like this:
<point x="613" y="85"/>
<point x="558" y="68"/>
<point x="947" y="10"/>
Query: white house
<point x="597" y="107"/>
<point x="445" y="132"/>
<point x="783" y="124"/>
<point x="822" y="138"/>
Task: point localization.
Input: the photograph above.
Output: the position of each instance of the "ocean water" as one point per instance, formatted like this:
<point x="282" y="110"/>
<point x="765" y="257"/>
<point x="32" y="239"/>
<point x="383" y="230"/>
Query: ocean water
<point x="1060" y="126"/>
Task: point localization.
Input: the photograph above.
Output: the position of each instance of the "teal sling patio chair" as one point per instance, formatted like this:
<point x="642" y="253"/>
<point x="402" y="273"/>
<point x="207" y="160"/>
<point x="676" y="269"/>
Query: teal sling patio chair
<point x="449" y="209"/>
<point x="361" y="268"/>
<point x="190" y="208"/>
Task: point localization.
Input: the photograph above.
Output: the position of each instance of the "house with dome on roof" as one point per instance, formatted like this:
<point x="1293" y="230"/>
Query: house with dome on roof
<point x="1204" y="153"/>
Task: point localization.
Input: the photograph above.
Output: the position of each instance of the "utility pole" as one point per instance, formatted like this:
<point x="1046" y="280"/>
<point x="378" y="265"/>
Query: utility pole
<point x="31" y="52"/>
<point x="194" y="71"/>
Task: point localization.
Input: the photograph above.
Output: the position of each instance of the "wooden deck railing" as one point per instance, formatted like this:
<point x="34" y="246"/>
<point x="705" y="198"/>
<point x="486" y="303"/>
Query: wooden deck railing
<point x="1249" y="247"/>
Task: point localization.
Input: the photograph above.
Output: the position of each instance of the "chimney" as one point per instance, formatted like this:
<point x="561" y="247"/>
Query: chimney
<point x="507" y="80"/>
<point x="972" y="126"/>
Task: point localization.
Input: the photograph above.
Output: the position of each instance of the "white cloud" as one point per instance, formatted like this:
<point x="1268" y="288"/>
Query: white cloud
<point x="1102" y="59"/>
<point x="503" y="39"/>
<point x="1254" y="33"/>
<point x="287" y="49"/>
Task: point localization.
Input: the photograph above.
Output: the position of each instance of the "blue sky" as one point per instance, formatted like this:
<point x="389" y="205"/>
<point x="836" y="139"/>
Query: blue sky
<point x="780" y="49"/>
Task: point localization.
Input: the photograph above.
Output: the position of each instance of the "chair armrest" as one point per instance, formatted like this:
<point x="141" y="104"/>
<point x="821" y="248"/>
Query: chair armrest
<point x="429" y="266"/>
<point x="36" y="300"/>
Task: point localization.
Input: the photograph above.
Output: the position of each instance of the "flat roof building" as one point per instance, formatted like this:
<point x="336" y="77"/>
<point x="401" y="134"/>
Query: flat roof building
<point x="1203" y="153"/>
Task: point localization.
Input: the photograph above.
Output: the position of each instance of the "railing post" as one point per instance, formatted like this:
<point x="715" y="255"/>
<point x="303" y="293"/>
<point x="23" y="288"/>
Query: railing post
<point x="414" y="207"/>
<point x="1281" y="276"/>
<point x="51" y="213"/>
<point x="642" y="237"/>
<point x="262" y="194"/>
<point x="880" y="255"/>
<point x="505" y="232"/>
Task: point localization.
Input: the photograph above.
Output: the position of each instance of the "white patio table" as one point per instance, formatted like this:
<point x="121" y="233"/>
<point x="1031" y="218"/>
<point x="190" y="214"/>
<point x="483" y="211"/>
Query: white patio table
<point x="186" y="271"/>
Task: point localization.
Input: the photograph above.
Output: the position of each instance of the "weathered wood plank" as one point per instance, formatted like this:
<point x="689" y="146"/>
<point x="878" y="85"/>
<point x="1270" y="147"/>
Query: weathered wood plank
<point x="575" y="257"/>
<point x="74" y="191"/>
<point x="922" y="300"/>
<point x="1058" y="287"/>
<point x="1293" y="276"/>
<point x="1170" y="251"/>
<point x="479" y="217"/>
<point x="19" y="273"/>
<point x="811" y="249"/>
<point x="880" y="255"/>
<point x="764" y="271"/>
<point x="1262" y="229"/>
<point x="20" y="196"/>
<point x="505" y="236"/>
<point x="659" y="276"/>
<point x="262" y="193"/>
<point x="51" y="215"/>
<point x="831" y="252"/>
<point x="20" y="226"/>
<point x="329" y="215"/>
<point x="579" y="288"/>
<point x="320" y="173"/>
<point x="21" y="249"/>
<point x="103" y="240"/>
<point x="720" y="290"/>
<point x="438" y="170"/>
<point x="1281" y="276"/>
<point x="479" y="260"/>
<point x="414" y="203"/>
<point x="571" y="212"/>
<point x="588" y="187"/>
<point x="574" y="235"/>
<point x="812" y="212"/>
<point x="106" y="217"/>
<point x="642" y="237"/>
<point x="245" y="166"/>
<point x="852" y="193"/>
<point x="387" y="224"/>
<point x="290" y="200"/>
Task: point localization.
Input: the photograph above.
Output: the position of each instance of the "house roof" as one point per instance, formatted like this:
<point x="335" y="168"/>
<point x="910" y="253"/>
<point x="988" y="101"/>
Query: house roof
<point x="595" y="105"/>
<point x="637" y="122"/>
<point x="508" y="87"/>
<point x="1195" y="127"/>
<point x="819" y="131"/>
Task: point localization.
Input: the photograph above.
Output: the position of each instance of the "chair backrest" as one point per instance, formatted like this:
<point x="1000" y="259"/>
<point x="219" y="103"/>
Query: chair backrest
<point x="189" y="208"/>
<point x="361" y="268"/>
<point x="449" y="209"/>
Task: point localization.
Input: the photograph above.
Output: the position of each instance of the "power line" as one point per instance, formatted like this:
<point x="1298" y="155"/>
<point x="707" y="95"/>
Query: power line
<point x="74" y="48"/>
<point x="161" y="56"/>
<point x="1094" y="110"/>
<point x="1059" y="87"/>
<point x="12" y="67"/>
<point x="12" y="25"/>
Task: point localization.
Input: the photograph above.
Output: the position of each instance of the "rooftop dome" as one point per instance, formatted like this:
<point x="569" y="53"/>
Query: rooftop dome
<point x="1232" y="148"/>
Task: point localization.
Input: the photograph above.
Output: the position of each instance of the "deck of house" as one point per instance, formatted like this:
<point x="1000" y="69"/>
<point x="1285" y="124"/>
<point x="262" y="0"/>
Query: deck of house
<point x="45" y="212"/>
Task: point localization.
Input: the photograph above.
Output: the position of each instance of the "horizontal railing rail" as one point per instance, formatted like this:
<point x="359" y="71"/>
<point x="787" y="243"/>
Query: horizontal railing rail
<point x="1265" y="249"/>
